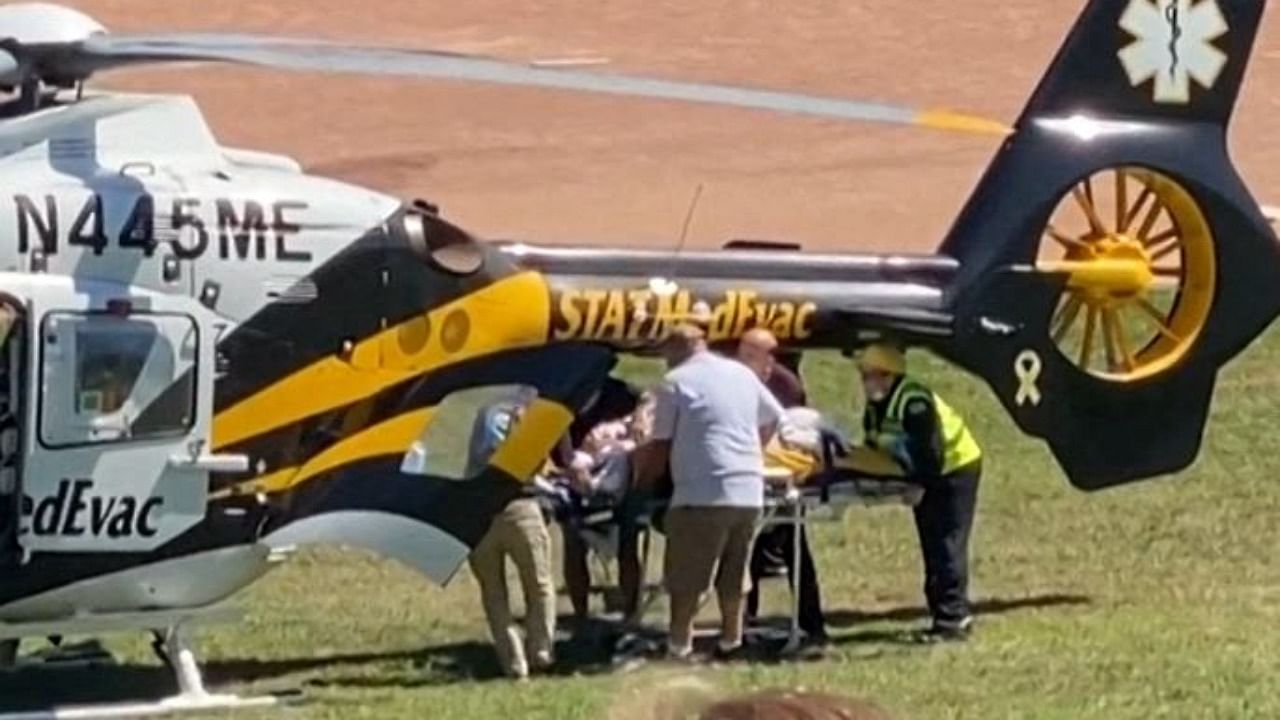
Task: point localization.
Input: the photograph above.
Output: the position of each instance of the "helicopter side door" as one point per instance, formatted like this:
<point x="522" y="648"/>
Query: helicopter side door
<point x="116" y="457"/>
<point x="13" y="344"/>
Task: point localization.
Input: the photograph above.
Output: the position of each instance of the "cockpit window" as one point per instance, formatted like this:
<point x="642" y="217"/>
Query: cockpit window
<point x="466" y="429"/>
<point x="102" y="372"/>
<point x="108" y="362"/>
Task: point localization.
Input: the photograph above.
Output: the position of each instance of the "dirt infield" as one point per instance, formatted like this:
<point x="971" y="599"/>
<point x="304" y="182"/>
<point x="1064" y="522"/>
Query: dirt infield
<point x="555" y="167"/>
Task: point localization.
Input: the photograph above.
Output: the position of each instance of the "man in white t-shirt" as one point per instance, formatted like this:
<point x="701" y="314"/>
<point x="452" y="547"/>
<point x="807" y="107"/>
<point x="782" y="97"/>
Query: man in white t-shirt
<point x="712" y="420"/>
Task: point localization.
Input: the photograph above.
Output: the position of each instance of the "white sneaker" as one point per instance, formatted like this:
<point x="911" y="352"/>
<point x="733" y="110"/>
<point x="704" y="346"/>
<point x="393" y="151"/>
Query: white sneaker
<point x="679" y="654"/>
<point x="543" y="660"/>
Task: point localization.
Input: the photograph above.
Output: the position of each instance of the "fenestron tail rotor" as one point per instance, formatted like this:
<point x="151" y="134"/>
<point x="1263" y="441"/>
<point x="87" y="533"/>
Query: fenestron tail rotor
<point x="1139" y="255"/>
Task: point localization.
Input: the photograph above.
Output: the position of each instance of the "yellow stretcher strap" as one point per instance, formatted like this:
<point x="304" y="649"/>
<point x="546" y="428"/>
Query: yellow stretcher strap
<point x="802" y="465"/>
<point x="870" y="462"/>
<point x="779" y="458"/>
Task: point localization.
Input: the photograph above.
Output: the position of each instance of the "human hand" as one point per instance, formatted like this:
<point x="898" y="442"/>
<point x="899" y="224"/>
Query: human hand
<point x="580" y="480"/>
<point x="898" y="451"/>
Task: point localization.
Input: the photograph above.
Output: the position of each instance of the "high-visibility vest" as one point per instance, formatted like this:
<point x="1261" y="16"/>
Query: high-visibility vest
<point x="959" y="446"/>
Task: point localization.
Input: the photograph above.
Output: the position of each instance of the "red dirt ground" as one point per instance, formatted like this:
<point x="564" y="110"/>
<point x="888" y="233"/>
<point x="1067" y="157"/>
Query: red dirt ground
<point x="554" y="167"/>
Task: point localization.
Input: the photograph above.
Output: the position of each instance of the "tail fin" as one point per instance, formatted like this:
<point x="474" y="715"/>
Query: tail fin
<point x="1111" y="257"/>
<point x="1152" y="59"/>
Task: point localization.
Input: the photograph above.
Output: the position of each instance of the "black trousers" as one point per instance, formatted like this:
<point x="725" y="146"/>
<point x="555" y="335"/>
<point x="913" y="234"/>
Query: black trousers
<point x="944" y="519"/>
<point x="779" y="542"/>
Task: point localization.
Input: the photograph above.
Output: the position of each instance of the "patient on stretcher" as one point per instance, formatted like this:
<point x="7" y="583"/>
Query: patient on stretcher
<point x="805" y="452"/>
<point x="601" y="467"/>
<point x="809" y="455"/>
<point x="599" y="509"/>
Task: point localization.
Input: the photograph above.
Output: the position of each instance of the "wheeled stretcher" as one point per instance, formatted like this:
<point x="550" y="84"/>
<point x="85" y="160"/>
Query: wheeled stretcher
<point x="806" y="483"/>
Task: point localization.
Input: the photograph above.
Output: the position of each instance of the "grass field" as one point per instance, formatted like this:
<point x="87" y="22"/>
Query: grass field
<point x="1160" y="600"/>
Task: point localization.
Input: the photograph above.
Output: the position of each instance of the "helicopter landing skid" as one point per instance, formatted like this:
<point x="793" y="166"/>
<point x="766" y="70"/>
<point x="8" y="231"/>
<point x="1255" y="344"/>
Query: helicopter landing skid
<point x="173" y="646"/>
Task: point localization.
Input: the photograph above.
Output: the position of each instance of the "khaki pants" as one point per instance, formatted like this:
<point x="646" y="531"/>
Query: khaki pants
<point x="707" y="545"/>
<point x="520" y="532"/>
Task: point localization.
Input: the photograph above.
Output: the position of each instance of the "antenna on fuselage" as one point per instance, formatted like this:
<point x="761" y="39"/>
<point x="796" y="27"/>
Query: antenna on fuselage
<point x="667" y="286"/>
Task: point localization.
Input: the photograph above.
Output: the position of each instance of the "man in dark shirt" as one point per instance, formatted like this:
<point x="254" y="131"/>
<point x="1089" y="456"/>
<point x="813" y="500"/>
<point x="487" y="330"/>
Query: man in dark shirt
<point x="784" y="380"/>
<point x="910" y="422"/>
<point x="775" y="546"/>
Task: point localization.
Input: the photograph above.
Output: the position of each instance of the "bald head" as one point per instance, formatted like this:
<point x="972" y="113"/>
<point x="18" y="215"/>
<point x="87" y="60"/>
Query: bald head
<point x="756" y="350"/>
<point x="759" y="338"/>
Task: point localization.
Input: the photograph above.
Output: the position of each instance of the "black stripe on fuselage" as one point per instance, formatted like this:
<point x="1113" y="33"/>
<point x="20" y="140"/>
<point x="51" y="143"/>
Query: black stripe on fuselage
<point x="376" y="282"/>
<point x="552" y="369"/>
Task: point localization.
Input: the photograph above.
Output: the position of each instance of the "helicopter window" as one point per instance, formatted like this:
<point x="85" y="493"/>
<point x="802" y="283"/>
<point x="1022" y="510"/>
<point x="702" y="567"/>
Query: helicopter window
<point x="445" y="245"/>
<point x="465" y="430"/>
<point x="108" y="363"/>
<point x="104" y="371"/>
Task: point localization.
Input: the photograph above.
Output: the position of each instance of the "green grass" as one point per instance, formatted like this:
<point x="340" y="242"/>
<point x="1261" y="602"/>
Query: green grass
<point x="1160" y="600"/>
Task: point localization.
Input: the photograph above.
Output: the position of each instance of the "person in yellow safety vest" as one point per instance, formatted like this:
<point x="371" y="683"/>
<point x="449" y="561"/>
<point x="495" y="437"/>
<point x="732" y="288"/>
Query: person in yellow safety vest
<point x="907" y="420"/>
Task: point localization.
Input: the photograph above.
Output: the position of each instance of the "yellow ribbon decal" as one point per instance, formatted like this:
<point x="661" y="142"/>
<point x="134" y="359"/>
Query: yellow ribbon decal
<point x="1027" y="368"/>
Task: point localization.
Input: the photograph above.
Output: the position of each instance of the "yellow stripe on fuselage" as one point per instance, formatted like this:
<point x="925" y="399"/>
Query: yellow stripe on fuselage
<point x="539" y="429"/>
<point x="520" y="455"/>
<point x="391" y="437"/>
<point x="386" y="438"/>
<point x="511" y="313"/>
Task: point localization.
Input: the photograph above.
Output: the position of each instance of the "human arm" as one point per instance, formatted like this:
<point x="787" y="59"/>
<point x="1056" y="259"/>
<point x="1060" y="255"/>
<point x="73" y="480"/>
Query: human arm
<point x="651" y="459"/>
<point x="562" y="454"/>
<point x="769" y="413"/>
<point x="869" y="435"/>
<point x="488" y="430"/>
<point x="922" y="441"/>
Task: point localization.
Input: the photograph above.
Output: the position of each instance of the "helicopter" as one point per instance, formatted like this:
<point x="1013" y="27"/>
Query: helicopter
<point x="211" y="357"/>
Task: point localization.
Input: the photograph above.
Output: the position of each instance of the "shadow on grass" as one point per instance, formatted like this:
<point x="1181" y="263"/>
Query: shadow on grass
<point x="591" y="652"/>
<point x="40" y="688"/>
<point x="990" y="606"/>
<point x="474" y="661"/>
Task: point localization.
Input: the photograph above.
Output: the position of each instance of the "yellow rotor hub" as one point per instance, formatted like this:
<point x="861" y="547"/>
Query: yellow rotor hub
<point x="1141" y="272"/>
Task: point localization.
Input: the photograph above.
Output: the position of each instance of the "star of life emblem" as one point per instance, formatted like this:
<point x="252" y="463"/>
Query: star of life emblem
<point x="1173" y="46"/>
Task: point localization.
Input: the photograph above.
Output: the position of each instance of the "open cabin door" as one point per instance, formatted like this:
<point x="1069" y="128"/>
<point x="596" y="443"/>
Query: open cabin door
<point x="119" y="422"/>
<point x="14" y="342"/>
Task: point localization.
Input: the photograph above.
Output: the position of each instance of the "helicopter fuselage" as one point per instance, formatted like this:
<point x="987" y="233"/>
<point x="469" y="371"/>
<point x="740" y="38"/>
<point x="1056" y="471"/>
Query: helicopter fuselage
<point x="316" y="318"/>
<point x="136" y="190"/>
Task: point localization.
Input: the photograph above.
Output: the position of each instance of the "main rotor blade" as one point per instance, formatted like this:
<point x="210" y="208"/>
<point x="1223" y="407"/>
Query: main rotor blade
<point x="106" y="51"/>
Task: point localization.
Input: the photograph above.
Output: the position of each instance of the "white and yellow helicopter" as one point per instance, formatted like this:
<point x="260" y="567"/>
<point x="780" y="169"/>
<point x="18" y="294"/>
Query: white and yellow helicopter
<point x="210" y="357"/>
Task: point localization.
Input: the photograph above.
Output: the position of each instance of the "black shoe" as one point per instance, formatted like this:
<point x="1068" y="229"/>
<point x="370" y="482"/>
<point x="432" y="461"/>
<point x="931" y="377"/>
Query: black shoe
<point x="671" y="659"/>
<point x="774" y="570"/>
<point x="819" y="638"/>
<point x="633" y="651"/>
<point x="948" y="631"/>
<point x="727" y="655"/>
<point x="636" y="644"/>
<point x="813" y="647"/>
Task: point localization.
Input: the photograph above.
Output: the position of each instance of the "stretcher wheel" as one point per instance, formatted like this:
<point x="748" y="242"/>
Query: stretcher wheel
<point x="1141" y="269"/>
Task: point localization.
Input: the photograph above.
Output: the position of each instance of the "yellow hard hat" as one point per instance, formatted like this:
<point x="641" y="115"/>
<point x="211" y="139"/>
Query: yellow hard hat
<point x="884" y="358"/>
